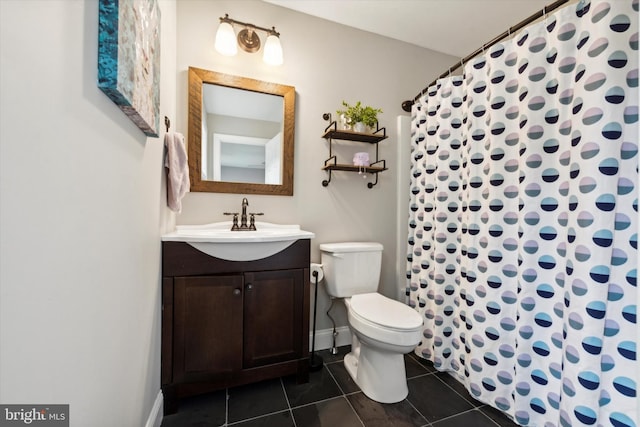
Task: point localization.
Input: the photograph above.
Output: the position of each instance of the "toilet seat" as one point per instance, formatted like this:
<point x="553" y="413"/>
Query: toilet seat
<point x="384" y="320"/>
<point x="384" y="312"/>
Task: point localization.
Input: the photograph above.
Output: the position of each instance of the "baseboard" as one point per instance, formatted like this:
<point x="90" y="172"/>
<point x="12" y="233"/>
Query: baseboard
<point x="155" y="417"/>
<point x="324" y="338"/>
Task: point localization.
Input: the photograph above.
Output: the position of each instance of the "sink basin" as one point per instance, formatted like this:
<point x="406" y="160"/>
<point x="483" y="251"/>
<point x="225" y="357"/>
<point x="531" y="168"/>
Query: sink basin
<point x="218" y="240"/>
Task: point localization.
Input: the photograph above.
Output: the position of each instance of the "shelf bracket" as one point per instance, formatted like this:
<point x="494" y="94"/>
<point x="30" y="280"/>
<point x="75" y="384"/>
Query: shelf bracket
<point x="325" y="182"/>
<point x="329" y="162"/>
<point x="332" y="123"/>
<point x="372" y="184"/>
<point x="384" y="166"/>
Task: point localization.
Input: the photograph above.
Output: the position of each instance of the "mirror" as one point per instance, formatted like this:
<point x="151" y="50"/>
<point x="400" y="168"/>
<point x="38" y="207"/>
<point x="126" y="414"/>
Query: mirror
<point x="241" y="134"/>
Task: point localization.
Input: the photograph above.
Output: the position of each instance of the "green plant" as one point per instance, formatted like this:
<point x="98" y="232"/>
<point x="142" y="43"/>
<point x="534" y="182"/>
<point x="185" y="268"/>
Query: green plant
<point x="359" y="113"/>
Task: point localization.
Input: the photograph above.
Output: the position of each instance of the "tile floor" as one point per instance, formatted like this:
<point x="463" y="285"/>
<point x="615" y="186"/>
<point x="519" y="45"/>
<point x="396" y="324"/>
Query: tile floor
<point x="332" y="399"/>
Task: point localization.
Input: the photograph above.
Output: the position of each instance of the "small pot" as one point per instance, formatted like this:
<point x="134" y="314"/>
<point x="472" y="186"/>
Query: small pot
<point x="360" y="127"/>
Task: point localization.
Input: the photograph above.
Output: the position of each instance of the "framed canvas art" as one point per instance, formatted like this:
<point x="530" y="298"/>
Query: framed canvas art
<point x="129" y="59"/>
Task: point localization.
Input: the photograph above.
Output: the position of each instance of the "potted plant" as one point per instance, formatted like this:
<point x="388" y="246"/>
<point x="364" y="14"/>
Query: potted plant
<point x="359" y="116"/>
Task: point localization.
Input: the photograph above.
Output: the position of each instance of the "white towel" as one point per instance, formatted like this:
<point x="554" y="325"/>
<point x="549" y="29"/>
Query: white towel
<point x="178" y="170"/>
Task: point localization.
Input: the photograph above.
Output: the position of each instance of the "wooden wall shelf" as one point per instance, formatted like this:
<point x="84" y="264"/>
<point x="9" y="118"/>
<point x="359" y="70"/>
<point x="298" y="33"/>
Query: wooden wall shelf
<point x="331" y="133"/>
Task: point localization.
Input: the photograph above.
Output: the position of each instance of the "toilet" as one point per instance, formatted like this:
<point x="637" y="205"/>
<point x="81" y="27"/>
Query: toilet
<point x="382" y="329"/>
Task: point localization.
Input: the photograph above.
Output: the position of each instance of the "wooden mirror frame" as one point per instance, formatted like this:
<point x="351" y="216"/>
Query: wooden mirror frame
<point x="198" y="77"/>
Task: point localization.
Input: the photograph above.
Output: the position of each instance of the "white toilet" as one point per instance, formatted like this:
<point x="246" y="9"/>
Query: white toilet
<point x="382" y="329"/>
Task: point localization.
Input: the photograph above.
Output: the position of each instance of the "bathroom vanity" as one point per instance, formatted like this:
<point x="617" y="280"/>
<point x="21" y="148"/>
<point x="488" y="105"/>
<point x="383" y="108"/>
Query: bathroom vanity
<point x="228" y="322"/>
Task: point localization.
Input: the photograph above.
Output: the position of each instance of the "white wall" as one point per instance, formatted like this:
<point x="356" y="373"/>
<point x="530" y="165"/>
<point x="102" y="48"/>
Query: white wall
<point x="327" y="63"/>
<point x="82" y="205"/>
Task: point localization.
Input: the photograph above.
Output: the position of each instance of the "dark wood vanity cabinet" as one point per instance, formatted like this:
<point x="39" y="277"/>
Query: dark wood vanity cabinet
<point x="227" y="323"/>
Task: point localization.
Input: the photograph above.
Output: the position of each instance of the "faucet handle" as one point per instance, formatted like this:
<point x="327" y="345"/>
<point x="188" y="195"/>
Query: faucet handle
<point x="252" y="219"/>
<point x="234" y="227"/>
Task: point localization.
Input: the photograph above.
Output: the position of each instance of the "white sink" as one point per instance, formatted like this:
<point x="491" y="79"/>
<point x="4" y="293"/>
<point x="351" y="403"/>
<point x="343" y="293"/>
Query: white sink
<point x="218" y="240"/>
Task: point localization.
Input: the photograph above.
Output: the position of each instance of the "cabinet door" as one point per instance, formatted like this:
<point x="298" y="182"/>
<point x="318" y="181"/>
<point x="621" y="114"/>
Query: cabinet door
<point x="208" y="327"/>
<point x="273" y="317"/>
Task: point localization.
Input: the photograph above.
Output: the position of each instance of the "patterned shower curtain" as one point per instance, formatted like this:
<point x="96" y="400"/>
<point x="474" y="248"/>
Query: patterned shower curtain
<point x="523" y="230"/>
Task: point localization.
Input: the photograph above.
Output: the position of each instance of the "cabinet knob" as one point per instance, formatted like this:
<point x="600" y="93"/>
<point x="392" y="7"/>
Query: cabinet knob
<point x="249" y="287"/>
<point x="237" y="292"/>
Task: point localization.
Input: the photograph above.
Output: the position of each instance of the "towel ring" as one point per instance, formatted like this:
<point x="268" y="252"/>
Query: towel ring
<point x="167" y="122"/>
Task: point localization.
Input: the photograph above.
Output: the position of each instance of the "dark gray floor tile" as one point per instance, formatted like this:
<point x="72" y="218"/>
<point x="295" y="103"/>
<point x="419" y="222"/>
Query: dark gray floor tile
<point x="374" y="414"/>
<point x="343" y="378"/>
<point x="458" y="387"/>
<point x="498" y="416"/>
<point x="281" y="419"/>
<point x="329" y="413"/>
<point x="473" y="418"/>
<point x="254" y="400"/>
<point x="414" y="368"/>
<point x="320" y="386"/>
<point x="434" y="399"/>
<point x="203" y="410"/>
<point x="427" y="364"/>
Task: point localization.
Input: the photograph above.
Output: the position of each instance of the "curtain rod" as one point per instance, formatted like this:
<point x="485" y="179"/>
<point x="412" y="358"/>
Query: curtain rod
<point x="406" y="105"/>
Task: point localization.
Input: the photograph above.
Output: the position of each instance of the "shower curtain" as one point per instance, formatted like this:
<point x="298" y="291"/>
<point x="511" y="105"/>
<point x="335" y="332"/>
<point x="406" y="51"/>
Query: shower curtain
<point x="523" y="228"/>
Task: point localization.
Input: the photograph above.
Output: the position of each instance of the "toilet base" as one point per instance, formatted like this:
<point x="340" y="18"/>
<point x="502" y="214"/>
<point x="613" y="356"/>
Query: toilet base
<point x="380" y="375"/>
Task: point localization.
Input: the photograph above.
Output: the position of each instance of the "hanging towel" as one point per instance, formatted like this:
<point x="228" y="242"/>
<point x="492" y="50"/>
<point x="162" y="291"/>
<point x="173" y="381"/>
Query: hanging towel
<point x="177" y="170"/>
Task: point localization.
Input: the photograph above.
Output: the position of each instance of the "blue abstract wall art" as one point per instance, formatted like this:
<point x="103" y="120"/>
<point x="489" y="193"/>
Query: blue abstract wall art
<point x="129" y="59"/>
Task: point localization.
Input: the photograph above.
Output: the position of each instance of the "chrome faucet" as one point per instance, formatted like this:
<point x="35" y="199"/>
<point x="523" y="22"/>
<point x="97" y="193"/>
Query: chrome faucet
<point x="243" y="218"/>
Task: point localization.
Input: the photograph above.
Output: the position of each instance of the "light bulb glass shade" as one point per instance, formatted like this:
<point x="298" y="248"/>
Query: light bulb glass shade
<point x="226" y="40"/>
<point x="273" y="50"/>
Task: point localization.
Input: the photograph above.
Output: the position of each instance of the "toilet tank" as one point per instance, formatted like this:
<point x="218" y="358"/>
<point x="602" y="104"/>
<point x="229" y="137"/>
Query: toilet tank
<point x="351" y="268"/>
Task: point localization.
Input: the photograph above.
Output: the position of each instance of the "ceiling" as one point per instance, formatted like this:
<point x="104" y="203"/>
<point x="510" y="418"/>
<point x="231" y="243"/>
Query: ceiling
<point x="454" y="27"/>
<point x="246" y="104"/>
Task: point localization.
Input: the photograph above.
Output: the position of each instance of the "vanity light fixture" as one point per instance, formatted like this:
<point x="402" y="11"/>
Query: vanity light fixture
<point x="248" y="40"/>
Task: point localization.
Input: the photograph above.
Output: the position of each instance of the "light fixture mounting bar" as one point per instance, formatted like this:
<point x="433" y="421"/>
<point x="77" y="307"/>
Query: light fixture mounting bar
<point x="248" y="25"/>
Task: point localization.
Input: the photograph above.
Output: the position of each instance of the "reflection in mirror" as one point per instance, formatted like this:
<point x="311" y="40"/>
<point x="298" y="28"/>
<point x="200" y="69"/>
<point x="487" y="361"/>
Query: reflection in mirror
<point x="244" y="135"/>
<point x="240" y="134"/>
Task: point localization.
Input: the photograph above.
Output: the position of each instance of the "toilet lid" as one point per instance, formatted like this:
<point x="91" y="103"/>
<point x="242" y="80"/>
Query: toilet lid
<point x="387" y="313"/>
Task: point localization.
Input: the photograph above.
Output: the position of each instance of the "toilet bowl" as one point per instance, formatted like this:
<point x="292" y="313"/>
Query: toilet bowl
<point x="382" y="329"/>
